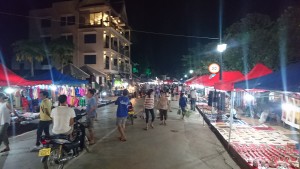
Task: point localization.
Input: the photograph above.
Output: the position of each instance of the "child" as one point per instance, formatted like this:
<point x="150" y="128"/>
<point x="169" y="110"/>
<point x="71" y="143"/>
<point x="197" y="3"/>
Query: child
<point x="130" y="112"/>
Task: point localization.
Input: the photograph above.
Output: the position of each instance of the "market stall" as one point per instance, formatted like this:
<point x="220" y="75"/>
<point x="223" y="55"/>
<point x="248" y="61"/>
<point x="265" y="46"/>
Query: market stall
<point x="260" y="146"/>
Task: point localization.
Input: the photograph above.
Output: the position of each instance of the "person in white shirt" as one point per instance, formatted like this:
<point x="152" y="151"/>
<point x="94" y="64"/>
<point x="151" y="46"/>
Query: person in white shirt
<point x="168" y="95"/>
<point x="193" y="99"/>
<point x="63" y="117"/>
<point x="5" y="110"/>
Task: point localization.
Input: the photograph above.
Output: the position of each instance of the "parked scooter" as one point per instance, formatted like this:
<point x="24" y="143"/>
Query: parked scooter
<point x="58" y="149"/>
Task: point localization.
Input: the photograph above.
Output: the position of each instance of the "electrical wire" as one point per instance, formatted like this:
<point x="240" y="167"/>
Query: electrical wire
<point x="138" y="31"/>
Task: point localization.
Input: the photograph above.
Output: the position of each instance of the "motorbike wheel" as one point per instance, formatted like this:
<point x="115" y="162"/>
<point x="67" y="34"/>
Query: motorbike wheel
<point x="52" y="161"/>
<point x="86" y="144"/>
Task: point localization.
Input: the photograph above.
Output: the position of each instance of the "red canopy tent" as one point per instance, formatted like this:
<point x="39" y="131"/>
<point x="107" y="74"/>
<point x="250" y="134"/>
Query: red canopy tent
<point x="208" y="80"/>
<point x="8" y="78"/>
<point x="190" y="81"/>
<point x="257" y="71"/>
<point x="168" y="81"/>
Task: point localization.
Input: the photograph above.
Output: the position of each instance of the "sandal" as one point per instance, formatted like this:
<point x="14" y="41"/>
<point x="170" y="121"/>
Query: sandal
<point x="123" y="139"/>
<point x="4" y="150"/>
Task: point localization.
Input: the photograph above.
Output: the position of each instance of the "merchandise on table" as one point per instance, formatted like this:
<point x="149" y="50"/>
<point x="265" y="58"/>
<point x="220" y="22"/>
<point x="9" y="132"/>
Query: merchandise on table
<point x="260" y="146"/>
<point x="264" y="155"/>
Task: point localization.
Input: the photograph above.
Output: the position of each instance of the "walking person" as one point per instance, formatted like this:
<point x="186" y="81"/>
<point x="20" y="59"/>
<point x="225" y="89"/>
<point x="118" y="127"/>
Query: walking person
<point x="193" y="95"/>
<point x="122" y="113"/>
<point x="91" y="114"/>
<point x="149" y="106"/>
<point x="168" y="95"/>
<point x="163" y="105"/>
<point x="5" y="109"/>
<point x="96" y="95"/>
<point x="45" y="119"/>
<point x="183" y="104"/>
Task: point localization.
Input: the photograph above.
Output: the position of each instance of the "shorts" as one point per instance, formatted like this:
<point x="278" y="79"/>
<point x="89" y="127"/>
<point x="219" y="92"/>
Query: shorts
<point x="90" y="123"/>
<point x="121" y="121"/>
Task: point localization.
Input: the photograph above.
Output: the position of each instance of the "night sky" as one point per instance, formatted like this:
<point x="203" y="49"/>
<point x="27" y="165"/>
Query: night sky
<point x="180" y="17"/>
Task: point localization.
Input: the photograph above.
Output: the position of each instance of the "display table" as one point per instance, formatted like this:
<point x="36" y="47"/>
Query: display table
<point x="253" y="147"/>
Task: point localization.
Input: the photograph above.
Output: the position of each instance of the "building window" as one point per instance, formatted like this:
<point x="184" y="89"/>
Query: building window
<point x="106" y="44"/>
<point x="46" y="23"/>
<point x="89" y="59"/>
<point x="90" y="38"/>
<point x="71" y="20"/>
<point x="96" y="18"/>
<point x="63" y="21"/>
<point x="67" y="20"/>
<point x="115" y="62"/>
<point x="106" y="62"/>
<point x="68" y="37"/>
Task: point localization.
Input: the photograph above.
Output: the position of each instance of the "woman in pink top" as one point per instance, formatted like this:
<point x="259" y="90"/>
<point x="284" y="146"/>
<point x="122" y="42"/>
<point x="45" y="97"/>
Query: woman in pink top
<point x="149" y="106"/>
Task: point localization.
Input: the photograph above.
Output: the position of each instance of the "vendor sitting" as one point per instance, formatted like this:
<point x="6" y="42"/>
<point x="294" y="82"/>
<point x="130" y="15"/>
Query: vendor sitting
<point x="62" y="117"/>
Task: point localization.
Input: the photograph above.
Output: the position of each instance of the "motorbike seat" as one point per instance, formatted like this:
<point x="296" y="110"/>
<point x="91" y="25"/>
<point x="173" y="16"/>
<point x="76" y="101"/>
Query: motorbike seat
<point x="60" y="139"/>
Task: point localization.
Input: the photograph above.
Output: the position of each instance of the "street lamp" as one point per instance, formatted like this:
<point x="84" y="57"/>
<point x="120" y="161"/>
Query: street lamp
<point x="185" y="76"/>
<point x="221" y="48"/>
<point x="191" y="71"/>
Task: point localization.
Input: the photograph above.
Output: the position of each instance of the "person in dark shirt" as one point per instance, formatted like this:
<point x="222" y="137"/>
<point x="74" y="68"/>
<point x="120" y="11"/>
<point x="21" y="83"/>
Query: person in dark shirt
<point x="183" y="104"/>
<point x="122" y="113"/>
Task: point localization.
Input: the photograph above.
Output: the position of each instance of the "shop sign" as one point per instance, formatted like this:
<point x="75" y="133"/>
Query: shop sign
<point x="213" y="68"/>
<point x="291" y="111"/>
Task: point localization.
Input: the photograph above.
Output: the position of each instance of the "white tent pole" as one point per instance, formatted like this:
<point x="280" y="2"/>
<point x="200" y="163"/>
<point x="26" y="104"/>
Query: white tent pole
<point x="231" y="114"/>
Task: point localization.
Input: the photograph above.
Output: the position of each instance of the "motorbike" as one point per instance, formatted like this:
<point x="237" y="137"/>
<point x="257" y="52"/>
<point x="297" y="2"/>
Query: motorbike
<point x="59" y="149"/>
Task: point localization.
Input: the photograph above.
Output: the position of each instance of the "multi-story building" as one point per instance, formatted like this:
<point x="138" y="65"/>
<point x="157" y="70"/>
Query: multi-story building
<point x="100" y="34"/>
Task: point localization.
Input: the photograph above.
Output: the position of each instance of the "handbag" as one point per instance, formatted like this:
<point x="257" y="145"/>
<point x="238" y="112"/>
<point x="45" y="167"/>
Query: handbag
<point x="188" y="113"/>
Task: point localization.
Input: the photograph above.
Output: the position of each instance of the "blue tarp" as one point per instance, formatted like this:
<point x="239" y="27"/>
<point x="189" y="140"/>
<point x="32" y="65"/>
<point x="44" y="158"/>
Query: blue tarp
<point x="58" y="78"/>
<point x="285" y="79"/>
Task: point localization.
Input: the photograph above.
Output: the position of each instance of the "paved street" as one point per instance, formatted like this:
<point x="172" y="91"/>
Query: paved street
<point x="181" y="144"/>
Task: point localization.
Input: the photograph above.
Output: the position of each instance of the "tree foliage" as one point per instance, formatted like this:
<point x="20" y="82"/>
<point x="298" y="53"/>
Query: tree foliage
<point x="254" y="39"/>
<point x="29" y="50"/>
<point x="288" y="25"/>
<point x="61" y="51"/>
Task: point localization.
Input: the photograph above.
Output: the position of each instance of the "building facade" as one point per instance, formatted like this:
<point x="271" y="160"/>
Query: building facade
<point x="100" y="34"/>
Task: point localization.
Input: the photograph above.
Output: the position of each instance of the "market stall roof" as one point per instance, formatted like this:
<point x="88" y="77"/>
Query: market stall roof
<point x="209" y="80"/>
<point x="191" y="80"/>
<point x="257" y="71"/>
<point x="8" y="78"/>
<point x="74" y="71"/>
<point x="168" y="81"/>
<point x="58" y="78"/>
<point x="91" y="71"/>
<point x="285" y="79"/>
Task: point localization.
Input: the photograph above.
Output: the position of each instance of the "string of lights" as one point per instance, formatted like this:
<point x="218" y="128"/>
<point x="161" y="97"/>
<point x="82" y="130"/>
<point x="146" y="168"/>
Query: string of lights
<point x="138" y="31"/>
